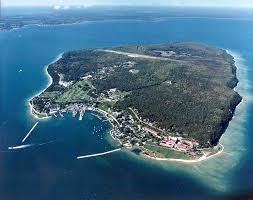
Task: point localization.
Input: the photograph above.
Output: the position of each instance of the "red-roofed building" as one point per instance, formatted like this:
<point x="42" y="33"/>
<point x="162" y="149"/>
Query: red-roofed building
<point x="169" y="141"/>
<point x="169" y="144"/>
<point x="182" y="147"/>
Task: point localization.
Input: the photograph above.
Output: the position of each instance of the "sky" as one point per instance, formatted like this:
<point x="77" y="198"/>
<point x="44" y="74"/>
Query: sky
<point x="211" y="3"/>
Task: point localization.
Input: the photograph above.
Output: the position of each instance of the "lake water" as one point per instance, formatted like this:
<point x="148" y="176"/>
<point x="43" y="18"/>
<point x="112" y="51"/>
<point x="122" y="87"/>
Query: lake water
<point x="49" y="169"/>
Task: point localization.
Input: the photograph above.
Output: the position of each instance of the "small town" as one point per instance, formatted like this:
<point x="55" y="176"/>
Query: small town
<point x="127" y="127"/>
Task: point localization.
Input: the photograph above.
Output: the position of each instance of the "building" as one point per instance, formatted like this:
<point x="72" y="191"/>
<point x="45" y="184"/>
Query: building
<point x="182" y="146"/>
<point x="169" y="141"/>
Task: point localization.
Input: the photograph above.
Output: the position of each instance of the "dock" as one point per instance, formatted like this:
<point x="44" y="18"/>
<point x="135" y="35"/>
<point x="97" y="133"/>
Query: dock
<point x="81" y="116"/>
<point x="29" y="133"/>
<point x="82" y="112"/>
<point x="74" y="113"/>
<point x="98" y="154"/>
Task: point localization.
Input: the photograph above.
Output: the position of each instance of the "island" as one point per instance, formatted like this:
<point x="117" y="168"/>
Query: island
<point x="164" y="101"/>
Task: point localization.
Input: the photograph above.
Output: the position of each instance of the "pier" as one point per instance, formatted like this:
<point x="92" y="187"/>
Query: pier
<point x="74" y="112"/>
<point x="29" y="133"/>
<point x="98" y="154"/>
<point x="81" y="116"/>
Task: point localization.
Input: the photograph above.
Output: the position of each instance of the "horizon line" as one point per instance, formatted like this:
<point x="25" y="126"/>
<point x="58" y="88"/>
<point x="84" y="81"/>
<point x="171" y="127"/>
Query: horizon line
<point x="82" y="6"/>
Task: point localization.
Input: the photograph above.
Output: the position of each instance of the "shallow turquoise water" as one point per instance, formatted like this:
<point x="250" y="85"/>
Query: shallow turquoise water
<point x="50" y="171"/>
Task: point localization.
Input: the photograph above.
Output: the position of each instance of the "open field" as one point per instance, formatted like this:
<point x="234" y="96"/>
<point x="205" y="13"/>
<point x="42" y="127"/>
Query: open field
<point x="166" y="152"/>
<point x="77" y="92"/>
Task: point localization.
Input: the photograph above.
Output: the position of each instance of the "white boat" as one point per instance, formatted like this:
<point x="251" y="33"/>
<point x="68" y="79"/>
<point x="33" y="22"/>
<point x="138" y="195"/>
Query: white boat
<point x="89" y="108"/>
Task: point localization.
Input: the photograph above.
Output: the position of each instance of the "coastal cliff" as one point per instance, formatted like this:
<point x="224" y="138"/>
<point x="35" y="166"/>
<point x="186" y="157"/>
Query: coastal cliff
<point x="229" y="113"/>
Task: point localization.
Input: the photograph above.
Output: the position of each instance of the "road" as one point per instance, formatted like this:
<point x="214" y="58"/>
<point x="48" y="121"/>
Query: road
<point x="134" y="55"/>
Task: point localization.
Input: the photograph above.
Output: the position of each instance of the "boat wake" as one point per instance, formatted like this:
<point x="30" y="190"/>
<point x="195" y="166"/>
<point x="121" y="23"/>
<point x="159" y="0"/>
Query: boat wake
<point x="30" y="145"/>
<point x="21" y="146"/>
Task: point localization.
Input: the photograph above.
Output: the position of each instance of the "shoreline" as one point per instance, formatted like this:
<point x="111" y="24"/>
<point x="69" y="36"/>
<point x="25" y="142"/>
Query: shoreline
<point x="104" y="113"/>
<point x="202" y="158"/>
<point x="127" y="19"/>
<point x="33" y="112"/>
<point x="38" y="115"/>
<point x="236" y="57"/>
<point x="44" y="25"/>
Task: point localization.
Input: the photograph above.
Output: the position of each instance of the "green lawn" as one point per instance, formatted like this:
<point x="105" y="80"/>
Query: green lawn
<point x="166" y="152"/>
<point x="50" y="95"/>
<point x="77" y="92"/>
<point x="104" y="106"/>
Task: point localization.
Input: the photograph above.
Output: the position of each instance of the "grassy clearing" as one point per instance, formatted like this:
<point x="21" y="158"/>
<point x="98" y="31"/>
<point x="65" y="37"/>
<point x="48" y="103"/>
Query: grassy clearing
<point x="121" y="94"/>
<point x="77" y="92"/>
<point x="166" y="152"/>
<point x="50" y="95"/>
<point x="104" y="106"/>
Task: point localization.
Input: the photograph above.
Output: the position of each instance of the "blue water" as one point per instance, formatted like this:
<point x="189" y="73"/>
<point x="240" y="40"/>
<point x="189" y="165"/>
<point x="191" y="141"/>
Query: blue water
<point x="51" y="171"/>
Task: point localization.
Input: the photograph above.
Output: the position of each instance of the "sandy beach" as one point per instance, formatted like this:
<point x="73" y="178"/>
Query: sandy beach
<point x="202" y="158"/>
<point x="33" y="112"/>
